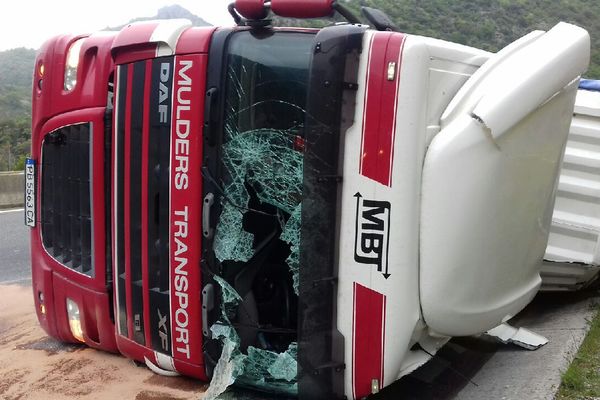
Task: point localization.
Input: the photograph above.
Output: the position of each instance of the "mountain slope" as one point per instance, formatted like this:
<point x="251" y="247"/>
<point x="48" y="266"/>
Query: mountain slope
<point x="16" y="67"/>
<point x="490" y="24"/>
<point x="487" y="24"/>
<point x="174" y="11"/>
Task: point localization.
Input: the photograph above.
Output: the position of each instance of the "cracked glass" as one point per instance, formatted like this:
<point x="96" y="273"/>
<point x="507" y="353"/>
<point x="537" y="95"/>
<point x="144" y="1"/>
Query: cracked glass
<point x="257" y="237"/>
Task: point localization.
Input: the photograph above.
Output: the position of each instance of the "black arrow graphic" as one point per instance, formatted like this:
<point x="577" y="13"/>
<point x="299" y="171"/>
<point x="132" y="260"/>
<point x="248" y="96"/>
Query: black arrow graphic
<point x="366" y="260"/>
<point x="386" y="274"/>
<point x="358" y="196"/>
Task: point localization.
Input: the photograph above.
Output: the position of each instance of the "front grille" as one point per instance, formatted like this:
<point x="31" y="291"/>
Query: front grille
<point x="142" y="178"/>
<point x="66" y="197"/>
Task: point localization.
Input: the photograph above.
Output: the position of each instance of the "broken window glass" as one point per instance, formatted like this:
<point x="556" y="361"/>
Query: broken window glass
<point x="257" y="236"/>
<point x="257" y="368"/>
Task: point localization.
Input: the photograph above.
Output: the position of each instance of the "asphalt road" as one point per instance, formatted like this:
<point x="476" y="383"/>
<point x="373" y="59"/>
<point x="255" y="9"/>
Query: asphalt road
<point x="466" y="369"/>
<point x="15" y="258"/>
<point x="480" y="368"/>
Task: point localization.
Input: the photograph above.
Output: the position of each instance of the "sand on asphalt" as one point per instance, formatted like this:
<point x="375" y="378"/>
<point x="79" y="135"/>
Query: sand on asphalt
<point x="35" y="366"/>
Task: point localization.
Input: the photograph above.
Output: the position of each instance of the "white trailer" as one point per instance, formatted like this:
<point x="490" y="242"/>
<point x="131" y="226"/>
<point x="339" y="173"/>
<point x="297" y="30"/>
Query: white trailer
<point x="572" y="259"/>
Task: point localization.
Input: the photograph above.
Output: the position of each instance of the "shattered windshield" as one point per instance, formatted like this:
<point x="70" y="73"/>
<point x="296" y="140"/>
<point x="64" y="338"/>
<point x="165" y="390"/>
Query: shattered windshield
<point x="258" y="233"/>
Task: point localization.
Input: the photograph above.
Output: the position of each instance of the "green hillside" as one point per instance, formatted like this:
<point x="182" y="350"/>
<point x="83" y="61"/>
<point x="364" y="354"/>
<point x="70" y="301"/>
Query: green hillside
<point x="174" y="11"/>
<point x="16" y="68"/>
<point x="487" y="24"/>
<point x="490" y="24"/>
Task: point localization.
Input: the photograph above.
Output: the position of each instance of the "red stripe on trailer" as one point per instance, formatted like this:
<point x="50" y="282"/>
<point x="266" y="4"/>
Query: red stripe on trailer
<point x="367" y="88"/>
<point x="380" y="104"/>
<point x="371" y="150"/>
<point x="368" y="340"/>
<point x="395" y="49"/>
<point x="185" y="209"/>
<point x="127" y="201"/>
<point x="144" y="198"/>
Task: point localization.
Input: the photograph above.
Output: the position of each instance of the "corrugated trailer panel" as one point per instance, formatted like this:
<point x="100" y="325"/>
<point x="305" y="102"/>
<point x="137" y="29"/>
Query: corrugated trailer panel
<point x="572" y="258"/>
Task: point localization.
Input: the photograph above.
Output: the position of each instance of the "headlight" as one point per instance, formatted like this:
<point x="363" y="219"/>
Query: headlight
<point x="74" y="320"/>
<point x="72" y="63"/>
<point x="42" y="306"/>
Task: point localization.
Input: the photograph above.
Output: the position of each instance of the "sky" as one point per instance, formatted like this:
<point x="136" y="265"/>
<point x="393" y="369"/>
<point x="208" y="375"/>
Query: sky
<point x="28" y="23"/>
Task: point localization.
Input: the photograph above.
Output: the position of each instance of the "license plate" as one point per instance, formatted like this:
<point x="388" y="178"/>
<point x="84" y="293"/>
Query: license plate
<point x="30" y="192"/>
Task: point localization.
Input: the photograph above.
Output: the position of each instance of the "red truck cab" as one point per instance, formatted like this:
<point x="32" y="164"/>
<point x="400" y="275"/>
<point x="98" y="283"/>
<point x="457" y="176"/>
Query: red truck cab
<point x="99" y="152"/>
<point x="129" y="131"/>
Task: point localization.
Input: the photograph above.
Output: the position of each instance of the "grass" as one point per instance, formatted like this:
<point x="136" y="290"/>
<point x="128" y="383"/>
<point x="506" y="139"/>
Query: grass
<point x="582" y="379"/>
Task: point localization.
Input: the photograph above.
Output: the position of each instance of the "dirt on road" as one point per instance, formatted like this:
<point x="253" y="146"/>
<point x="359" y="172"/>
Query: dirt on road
<point x="35" y="366"/>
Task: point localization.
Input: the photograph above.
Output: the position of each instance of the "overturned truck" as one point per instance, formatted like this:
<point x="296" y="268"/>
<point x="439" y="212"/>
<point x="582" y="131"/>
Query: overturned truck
<point x="309" y="212"/>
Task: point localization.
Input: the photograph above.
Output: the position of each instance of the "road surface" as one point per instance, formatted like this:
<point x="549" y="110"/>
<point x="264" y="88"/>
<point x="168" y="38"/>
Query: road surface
<point x="34" y="366"/>
<point x="14" y="248"/>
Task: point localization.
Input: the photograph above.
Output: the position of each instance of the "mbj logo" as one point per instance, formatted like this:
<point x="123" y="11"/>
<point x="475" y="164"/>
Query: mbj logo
<point x="372" y="240"/>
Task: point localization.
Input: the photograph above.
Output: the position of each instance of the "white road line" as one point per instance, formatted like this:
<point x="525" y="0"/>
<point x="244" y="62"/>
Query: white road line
<point x="15" y="281"/>
<point x="11" y="210"/>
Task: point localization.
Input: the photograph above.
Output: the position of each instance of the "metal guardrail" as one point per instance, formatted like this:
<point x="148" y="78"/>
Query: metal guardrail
<point x="11" y="189"/>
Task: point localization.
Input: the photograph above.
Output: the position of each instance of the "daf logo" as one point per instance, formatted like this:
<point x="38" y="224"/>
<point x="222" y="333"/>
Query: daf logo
<point x="163" y="93"/>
